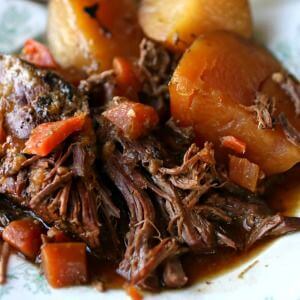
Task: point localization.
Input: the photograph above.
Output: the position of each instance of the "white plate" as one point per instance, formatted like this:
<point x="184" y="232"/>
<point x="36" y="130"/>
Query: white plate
<point x="275" y="275"/>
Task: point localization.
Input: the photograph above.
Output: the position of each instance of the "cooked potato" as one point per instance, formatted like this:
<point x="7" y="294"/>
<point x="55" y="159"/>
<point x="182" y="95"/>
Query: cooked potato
<point x="88" y="34"/>
<point x="212" y="88"/>
<point x="177" y="23"/>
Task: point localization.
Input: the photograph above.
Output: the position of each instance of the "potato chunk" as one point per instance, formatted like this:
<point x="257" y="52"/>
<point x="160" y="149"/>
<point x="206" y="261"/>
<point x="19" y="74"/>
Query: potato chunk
<point x="87" y="34"/>
<point x="213" y="89"/>
<point x="177" y="23"/>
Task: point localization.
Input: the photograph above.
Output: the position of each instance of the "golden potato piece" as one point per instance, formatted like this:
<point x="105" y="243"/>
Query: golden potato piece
<point x="213" y="87"/>
<point x="177" y="23"/>
<point x="88" y="34"/>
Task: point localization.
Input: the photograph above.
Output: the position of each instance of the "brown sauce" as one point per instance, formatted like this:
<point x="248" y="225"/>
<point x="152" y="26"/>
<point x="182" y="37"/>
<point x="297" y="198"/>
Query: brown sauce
<point x="197" y="268"/>
<point x="283" y="196"/>
<point x="104" y="272"/>
<point x="208" y="267"/>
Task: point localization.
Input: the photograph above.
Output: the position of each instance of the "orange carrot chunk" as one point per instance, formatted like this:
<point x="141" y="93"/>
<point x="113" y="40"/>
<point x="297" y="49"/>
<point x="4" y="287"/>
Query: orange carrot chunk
<point x="134" y="119"/>
<point x="125" y="72"/>
<point x="133" y="293"/>
<point x="64" y="264"/>
<point x="234" y="144"/>
<point x="25" y="236"/>
<point x="38" y="54"/>
<point x="243" y="172"/>
<point x="45" y="137"/>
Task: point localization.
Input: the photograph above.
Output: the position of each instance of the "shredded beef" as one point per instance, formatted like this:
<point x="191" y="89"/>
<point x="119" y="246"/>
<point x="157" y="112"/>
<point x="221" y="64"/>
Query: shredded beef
<point x="140" y="258"/>
<point x="264" y="108"/>
<point x="100" y="88"/>
<point x="154" y="66"/>
<point x="62" y="188"/>
<point x="171" y="198"/>
<point x="188" y="203"/>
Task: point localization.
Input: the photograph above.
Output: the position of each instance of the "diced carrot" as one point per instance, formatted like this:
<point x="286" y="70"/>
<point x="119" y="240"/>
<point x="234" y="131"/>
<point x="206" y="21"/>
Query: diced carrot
<point x="133" y="293"/>
<point x="243" y="172"/>
<point x="38" y="54"/>
<point x="25" y="236"/>
<point x="45" y="137"/>
<point x="234" y="144"/>
<point x="126" y="74"/>
<point x="64" y="264"/>
<point x="134" y="119"/>
<point x="128" y="83"/>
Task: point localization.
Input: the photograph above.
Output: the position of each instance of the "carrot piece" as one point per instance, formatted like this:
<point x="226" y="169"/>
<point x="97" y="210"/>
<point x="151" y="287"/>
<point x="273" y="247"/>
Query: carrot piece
<point x="45" y="137"/>
<point x="5" y="253"/>
<point x="125" y="72"/>
<point x="133" y="293"/>
<point x="243" y="172"/>
<point x="234" y="144"/>
<point x="134" y="119"/>
<point x="64" y="264"/>
<point x="38" y="54"/>
<point x="128" y="83"/>
<point x="25" y="236"/>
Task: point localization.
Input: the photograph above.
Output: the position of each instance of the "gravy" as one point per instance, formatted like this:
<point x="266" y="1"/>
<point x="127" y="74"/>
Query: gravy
<point x="283" y="197"/>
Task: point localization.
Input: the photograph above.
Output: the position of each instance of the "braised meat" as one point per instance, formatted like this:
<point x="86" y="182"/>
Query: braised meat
<point x="179" y="199"/>
<point x="31" y="96"/>
<point x="137" y="189"/>
<point x="153" y="70"/>
<point x="62" y="188"/>
<point x="187" y="203"/>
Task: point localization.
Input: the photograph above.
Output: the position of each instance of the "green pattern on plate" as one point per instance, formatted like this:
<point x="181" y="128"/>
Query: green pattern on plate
<point x="30" y="278"/>
<point x="20" y="20"/>
<point x="277" y="25"/>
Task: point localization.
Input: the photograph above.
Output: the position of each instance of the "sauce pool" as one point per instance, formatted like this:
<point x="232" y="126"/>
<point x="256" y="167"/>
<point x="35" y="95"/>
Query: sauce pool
<point x="283" y="197"/>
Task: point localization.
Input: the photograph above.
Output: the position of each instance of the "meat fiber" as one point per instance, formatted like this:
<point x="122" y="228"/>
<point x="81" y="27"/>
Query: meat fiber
<point x="61" y="188"/>
<point x="142" y="203"/>
<point x="187" y="203"/>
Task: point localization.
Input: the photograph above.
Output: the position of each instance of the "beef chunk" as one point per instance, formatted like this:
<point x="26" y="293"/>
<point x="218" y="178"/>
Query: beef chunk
<point x="30" y="96"/>
<point x="181" y="200"/>
<point x="141" y="257"/>
<point x="62" y="188"/>
<point x="153" y="67"/>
